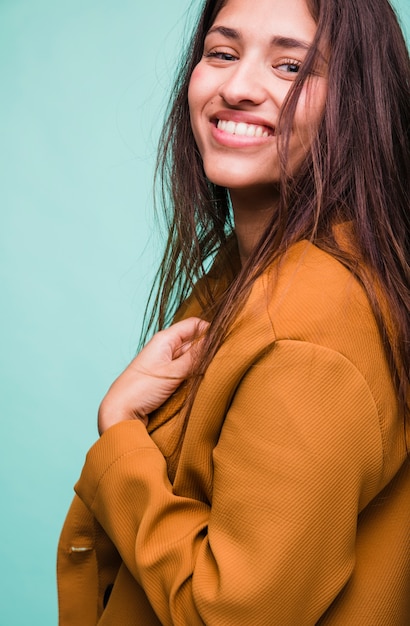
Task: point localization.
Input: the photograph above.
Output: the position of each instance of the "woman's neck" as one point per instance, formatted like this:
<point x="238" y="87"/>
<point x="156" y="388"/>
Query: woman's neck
<point x="252" y="213"/>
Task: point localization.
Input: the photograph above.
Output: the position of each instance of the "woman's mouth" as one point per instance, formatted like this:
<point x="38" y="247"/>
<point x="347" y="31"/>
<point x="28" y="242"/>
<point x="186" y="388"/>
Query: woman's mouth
<point x="242" y="129"/>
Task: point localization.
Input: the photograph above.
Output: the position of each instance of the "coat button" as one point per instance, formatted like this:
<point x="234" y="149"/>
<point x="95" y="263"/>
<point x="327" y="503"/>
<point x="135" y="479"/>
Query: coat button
<point x="107" y="594"/>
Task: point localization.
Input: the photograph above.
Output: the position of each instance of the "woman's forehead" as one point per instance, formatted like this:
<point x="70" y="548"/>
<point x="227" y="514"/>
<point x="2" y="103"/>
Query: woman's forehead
<point x="267" y="18"/>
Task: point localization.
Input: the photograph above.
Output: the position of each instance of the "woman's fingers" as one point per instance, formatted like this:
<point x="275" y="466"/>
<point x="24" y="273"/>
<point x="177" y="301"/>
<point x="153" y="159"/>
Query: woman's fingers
<point x="181" y="336"/>
<point x="154" y="374"/>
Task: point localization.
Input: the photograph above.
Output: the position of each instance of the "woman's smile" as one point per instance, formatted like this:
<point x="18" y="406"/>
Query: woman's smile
<point x="242" y="129"/>
<point x="237" y="129"/>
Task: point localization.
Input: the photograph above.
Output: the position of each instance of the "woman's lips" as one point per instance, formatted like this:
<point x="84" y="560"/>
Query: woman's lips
<point x="240" y="133"/>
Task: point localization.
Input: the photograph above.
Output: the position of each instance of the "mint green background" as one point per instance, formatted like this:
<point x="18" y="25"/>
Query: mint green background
<point x="83" y="88"/>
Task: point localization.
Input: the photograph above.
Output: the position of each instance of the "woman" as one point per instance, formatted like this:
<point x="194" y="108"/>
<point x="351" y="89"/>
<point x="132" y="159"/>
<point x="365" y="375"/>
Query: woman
<point x="253" y="464"/>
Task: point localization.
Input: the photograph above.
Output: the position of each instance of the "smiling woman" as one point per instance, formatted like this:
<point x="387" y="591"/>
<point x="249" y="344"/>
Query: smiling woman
<point x="253" y="463"/>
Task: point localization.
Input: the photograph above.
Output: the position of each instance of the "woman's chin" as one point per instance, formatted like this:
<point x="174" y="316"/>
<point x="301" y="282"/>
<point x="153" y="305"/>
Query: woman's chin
<point x="239" y="179"/>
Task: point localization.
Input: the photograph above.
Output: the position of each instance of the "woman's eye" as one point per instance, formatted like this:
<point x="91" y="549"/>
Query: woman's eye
<point x="221" y="55"/>
<point x="289" y="67"/>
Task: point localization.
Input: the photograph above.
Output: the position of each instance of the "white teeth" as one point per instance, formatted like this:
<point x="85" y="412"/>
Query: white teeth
<point x="242" y="129"/>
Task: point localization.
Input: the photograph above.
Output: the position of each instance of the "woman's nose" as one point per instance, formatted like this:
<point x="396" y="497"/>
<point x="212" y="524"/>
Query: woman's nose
<point x="244" y="82"/>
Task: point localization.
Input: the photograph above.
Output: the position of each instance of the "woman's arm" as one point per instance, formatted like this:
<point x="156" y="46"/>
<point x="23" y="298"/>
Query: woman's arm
<point x="299" y="455"/>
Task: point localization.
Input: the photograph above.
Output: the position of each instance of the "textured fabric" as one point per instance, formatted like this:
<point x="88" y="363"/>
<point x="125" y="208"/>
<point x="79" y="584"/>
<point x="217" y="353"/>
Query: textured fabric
<point x="290" y="501"/>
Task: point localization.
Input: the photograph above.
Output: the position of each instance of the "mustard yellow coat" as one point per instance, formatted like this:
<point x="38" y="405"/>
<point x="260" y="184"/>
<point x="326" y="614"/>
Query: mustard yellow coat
<point x="290" y="502"/>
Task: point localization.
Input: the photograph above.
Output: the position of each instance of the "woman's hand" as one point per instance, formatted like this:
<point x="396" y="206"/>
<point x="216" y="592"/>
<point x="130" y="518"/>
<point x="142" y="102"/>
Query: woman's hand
<point x="153" y="375"/>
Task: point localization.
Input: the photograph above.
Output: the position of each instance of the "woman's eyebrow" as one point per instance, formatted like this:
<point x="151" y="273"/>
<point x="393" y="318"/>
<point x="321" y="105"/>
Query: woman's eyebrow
<point x="289" y="42"/>
<point x="229" y="33"/>
<point x="277" y="40"/>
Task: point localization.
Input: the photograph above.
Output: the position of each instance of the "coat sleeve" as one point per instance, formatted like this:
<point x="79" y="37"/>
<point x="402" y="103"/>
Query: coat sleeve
<point x="299" y="455"/>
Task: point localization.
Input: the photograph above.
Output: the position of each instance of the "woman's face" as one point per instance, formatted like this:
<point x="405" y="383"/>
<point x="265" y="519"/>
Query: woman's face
<point x="252" y="54"/>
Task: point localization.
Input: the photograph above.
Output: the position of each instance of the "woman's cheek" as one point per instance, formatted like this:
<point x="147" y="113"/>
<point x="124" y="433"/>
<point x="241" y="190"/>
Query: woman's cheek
<point x="310" y="108"/>
<point x="197" y="73"/>
<point x="195" y="81"/>
<point x="196" y="100"/>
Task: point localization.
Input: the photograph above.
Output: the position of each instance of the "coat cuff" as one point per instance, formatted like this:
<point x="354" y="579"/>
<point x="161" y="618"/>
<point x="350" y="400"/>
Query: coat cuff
<point x="116" y="442"/>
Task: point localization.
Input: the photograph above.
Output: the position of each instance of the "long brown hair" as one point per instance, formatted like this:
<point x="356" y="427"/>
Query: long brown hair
<point x="357" y="170"/>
